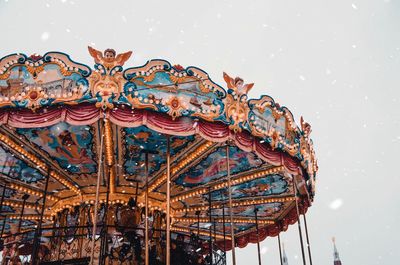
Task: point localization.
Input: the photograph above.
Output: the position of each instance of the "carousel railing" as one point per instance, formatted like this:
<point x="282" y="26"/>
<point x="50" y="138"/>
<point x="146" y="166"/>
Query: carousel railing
<point x="120" y="248"/>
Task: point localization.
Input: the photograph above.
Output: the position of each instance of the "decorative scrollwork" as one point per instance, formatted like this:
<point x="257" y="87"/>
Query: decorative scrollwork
<point x="106" y="82"/>
<point x="37" y="81"/>
<point x="236" y="107"/>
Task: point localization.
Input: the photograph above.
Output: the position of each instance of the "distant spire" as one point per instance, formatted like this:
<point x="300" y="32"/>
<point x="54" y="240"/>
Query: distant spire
<point x="284" y="257"/>
<point x="336" y="258"/>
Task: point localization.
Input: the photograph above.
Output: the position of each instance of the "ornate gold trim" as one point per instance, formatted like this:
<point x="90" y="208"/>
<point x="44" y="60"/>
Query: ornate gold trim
<point x="235" y="181"/>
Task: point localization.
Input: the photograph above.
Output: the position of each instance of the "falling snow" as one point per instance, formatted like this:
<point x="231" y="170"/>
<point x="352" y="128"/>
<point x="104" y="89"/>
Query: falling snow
<point x="304" y="56"/>
<point x="45" y="36"/>
<point x="264" y="250"/>
<point x="336" y="204"/>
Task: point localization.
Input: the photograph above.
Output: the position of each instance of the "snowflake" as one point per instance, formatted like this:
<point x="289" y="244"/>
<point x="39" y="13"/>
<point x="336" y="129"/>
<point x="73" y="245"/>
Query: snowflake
<point x="45" y="36"/>
<point x="336" y="204"/>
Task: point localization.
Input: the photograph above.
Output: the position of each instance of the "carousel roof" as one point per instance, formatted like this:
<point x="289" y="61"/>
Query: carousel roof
<point x="54" y="110"/>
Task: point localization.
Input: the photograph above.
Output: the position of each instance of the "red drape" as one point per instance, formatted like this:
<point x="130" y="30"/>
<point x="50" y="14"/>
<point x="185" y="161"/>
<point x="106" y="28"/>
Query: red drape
<point x="86" y="114"/>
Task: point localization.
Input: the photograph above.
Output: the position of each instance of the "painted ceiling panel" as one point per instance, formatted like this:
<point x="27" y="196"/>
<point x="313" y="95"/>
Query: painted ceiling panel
<point x="265" y="186"/>
<point x="138" y="140"/>
<point x="15" y="168"/>
<point x="213" y="167"/>
<point x="71" y="146"/>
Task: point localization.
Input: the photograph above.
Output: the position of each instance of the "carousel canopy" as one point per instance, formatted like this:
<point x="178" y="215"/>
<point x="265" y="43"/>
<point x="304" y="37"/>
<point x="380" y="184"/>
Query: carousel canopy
<point x="63" y="120"/>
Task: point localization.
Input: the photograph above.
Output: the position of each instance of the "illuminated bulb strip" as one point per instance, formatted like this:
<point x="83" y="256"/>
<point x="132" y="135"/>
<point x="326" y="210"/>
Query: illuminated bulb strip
<point x="202" y="233"/>
<point x="70" y="206"/>
<point x="239" y="203"/>
<point x="118" y="197"/>
<point x="109" y="153"/>
<point x="19" y="204"/>
<point x="28" y="230"/>
<point x="39" y="164"/>
<point x="29" y="217"/>
<point x="220" y="220"/>
<point x="112" y="180"/>
<point x="182" y="164"/>
<point x="224" y="184"/>
<point x="108" y="143"/>
<point x="31" y="192"/>
<point x="22" y="151"/>
<point x="64" y="181"/>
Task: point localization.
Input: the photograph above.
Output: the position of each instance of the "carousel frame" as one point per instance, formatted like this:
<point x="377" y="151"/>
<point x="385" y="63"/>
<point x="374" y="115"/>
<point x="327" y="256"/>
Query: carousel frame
<point x="161" y="138"/>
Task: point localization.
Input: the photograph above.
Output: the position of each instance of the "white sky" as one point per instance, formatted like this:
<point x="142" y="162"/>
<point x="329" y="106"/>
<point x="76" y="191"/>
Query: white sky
<point x="337" y="63"/>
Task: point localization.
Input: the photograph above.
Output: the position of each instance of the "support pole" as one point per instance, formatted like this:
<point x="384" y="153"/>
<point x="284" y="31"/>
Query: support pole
<point x="2" y="197"/>
<point x="1" y="236"/>
<point x="223" y="230"/>
<point x="210" y="247"/>
<point x="146" y="198"/>
<point x="230" y="205"/>
<point x="168" y="250"/>
<point x="258" y="238"/>
<point x="4" y="226"/>
<point x="25" y="197"/>
<point x="136" y="191"/>
<point x="1" y="208"/>
<point x="38" y="233"/>
<point x="215" y="231"/>
<point x="97" y="199"/>
<point x="298" y="223"/>
<point x="198" y="226"/>
<point x="307" y="238"/>
<point x="105" y="227"/>
<point x="280" y="249"/>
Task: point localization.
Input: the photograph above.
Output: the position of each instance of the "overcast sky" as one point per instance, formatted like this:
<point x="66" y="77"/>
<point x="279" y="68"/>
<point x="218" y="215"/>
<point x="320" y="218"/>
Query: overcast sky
<point x="336" y="62"/>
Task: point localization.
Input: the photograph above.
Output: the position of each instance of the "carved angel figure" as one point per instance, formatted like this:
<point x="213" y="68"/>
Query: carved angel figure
<point x="110" y="58"/>
<point x="237" y="84"/>
<point x="305" y="126"/>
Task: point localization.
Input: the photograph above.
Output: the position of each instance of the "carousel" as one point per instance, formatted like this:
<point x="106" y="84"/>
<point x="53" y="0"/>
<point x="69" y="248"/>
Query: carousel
<point x="155" y="164"/>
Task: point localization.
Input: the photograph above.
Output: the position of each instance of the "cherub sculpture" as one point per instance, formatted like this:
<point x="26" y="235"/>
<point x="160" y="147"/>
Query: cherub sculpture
<point x="110" y="59"/>
<point x="237" y="84"/>
<point x="305" y="127"/>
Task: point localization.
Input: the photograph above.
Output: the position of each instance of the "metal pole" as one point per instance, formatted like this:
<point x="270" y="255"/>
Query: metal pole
<point x="25" y="197"/>
<point x="168" y="201"/>
<point x="4" y="226"/>
<point x="215" y="231"/>
<point x="210" y="220"/>
<point x="146" y="196"/>
<point x="298" y="223"/>
<point x="280" y="249"/>
<point x="1" y="209"/>
<point x="223" y="230"/>
<point x="105" y="227"/>
<point x="308" y="241"/>
<point x="230" y="205"/>
<point x="215" y="237"/>
<point x="258" y="238"/>
<point x="38" y="234"/>
<point x="198" y="226"/>
<point x="2" y="197"/>
<point x="97" y="199"/>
